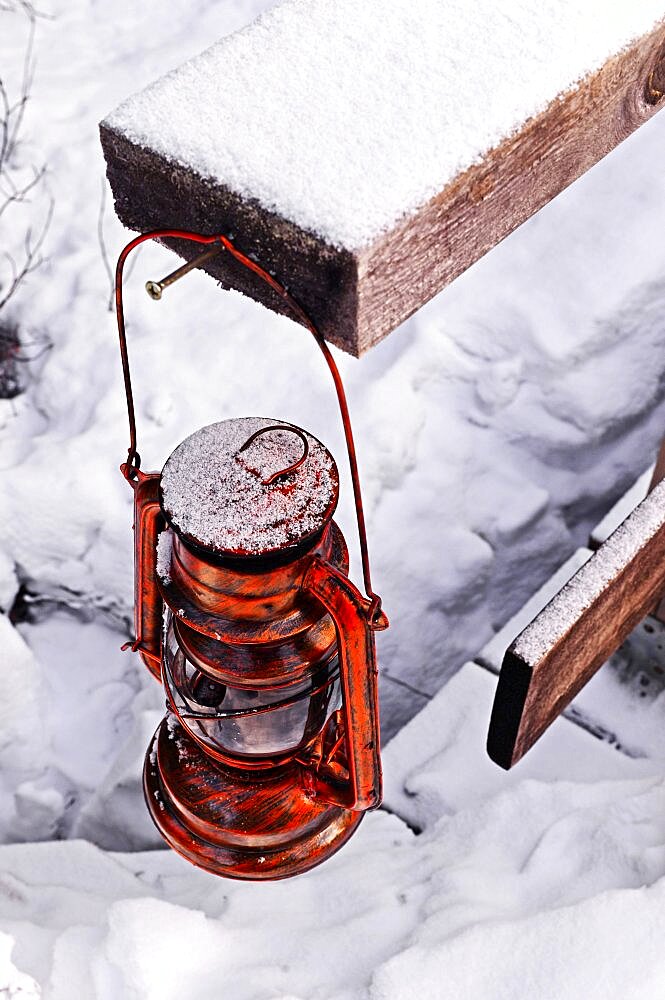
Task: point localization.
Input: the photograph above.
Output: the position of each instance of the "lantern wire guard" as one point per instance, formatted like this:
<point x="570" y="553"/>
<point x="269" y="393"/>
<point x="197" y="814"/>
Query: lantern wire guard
<point x="270" y="753"/>
<point x="131" y="468"/>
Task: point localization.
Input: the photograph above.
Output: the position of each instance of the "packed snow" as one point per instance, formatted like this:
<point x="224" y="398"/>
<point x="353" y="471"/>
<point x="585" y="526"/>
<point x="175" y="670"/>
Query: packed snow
<point x="546" y="887"/>
<point x="494" y="429"/>
<point x="593" y="577"/>
<point x="624" y="506"/>
<point x="356" y="114"/>
<point x="224" y="495"/>
<point x="164" y="550"/>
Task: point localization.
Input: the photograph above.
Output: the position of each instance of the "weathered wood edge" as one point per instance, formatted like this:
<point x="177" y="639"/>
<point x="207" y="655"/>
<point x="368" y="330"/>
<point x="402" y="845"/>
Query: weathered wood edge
<point x="657" y="477"/>
<point x="412" y="263"/>
<point x="151" y="192"/>
<point x="507" y="710"/>
<point x="530" y="696"/>
<point x="357" y="298"/>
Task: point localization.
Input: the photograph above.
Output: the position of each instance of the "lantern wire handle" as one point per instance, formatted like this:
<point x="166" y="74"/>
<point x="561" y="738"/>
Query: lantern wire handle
<point x="289" y="468"/>
<point x="131" y="468"/>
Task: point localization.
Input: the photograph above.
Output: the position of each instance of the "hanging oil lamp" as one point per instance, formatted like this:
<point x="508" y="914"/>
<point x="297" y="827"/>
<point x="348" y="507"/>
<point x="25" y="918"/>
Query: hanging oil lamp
<point x="269" y="754"/>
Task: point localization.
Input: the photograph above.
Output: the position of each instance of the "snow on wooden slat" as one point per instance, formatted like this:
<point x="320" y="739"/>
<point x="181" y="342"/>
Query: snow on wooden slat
<point x="368" y="153"/>
<point x="554" y="657"/>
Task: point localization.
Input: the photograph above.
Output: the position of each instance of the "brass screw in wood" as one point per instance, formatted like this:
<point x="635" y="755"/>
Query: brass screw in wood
<point x="155" y="288"/>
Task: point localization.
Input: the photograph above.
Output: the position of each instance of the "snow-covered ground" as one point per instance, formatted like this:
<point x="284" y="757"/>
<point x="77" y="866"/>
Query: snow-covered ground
<point x="494" y="429"/>
<point x="533" y="887"/>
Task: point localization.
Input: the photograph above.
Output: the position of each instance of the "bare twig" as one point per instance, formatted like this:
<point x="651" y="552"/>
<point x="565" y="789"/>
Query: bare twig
<point x="102" y="244"/>
<point x="15" y="187"/>
<point x="104" y="251"/>
<point x="19" y="194"/>
<point x="4" y="125"/>
<point x="32" y="257"/>
<point x="29" y="9"/>
<point x="13" y="114"/>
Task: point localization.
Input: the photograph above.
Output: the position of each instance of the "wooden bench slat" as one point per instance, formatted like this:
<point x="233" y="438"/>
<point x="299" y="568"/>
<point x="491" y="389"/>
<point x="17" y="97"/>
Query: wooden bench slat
<point x="178" y="154"/>
<point x="555" y="656"/>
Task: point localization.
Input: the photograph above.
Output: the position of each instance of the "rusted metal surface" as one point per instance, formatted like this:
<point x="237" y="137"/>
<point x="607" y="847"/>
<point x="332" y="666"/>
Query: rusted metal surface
<point x="271" y="628"/>
<point x="267" y="632"/>
<point x="268" y="827"/>
<point x="133" y="463"/>
<point x="270" y="752"/>
<point x="358" y="672"/>
<point x="283" y="514"/>
<point x="148" y="521"/>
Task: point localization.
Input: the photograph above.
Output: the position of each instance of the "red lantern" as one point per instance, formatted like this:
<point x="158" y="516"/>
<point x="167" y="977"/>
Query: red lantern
<point x="269" y="753"/>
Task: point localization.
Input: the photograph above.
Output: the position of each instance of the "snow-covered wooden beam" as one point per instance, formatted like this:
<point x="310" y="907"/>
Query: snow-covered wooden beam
<point x="590" y="617"/>
<point x="368" y="153"/>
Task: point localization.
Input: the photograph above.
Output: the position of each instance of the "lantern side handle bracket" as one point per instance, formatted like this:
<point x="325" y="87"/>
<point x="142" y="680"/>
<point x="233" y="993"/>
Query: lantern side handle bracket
<point x="360" y="696"/>
<point x="131" y="468"/>
<point x="148" y="523"/>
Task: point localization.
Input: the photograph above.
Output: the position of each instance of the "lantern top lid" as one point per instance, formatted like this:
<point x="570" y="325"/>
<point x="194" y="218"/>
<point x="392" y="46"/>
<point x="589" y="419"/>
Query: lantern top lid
<point x="225" y="489"/>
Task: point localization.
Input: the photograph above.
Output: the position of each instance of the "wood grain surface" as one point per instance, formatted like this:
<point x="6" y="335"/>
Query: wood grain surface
<point x="657" y="477"/>
<point x="598" y="608"/>
<point x="357" y="298"/>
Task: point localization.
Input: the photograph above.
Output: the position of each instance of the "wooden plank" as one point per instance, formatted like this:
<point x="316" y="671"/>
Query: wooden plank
<point x="358" y="295"/>
<point x="554" y="657"/>
<point x="657" y="477"/>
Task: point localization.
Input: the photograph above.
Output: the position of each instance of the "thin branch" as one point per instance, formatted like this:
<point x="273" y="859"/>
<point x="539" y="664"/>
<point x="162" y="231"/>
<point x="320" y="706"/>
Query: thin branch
<point x="102" y="243"/>
<point x="29" y="9"/>
<point x="19" y="194"/>
<point x="110" y="271"/>
<point x="32" y="260"/>
<point x="12" y="263"/>
<point x="4" y="124"/>
<point x="28" y="75"/>
<point x="13" y="114"/>
<point x="14" y="189"/>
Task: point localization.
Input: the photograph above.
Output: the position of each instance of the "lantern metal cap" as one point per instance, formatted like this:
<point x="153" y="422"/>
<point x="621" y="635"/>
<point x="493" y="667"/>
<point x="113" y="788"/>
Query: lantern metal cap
<point x="249" y="488"/>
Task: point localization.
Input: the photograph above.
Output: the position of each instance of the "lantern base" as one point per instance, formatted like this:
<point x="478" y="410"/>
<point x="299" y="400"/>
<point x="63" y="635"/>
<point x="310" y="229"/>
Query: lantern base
<point x="238" y="823"/>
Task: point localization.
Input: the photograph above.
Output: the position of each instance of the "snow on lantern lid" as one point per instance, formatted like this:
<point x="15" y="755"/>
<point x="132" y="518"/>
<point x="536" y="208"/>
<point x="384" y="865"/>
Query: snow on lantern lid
<point x="224" y="490"/>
